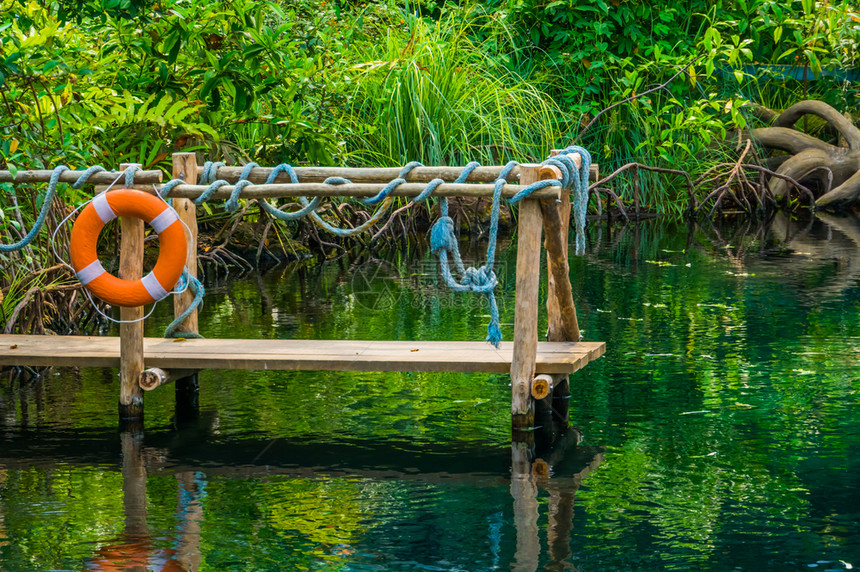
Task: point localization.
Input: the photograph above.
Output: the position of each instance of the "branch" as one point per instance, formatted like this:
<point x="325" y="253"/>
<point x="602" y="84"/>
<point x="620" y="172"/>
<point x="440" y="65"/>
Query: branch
<point x="632" y="97"/>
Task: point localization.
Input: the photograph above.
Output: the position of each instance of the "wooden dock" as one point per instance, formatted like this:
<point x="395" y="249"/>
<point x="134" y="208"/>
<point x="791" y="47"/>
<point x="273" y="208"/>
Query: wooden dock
<point x="539" y="370"/>
<point x="321" y="355"/>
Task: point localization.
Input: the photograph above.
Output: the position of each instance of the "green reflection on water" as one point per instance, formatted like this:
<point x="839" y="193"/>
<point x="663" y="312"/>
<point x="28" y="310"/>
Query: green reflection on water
<point x="727" y="404"/>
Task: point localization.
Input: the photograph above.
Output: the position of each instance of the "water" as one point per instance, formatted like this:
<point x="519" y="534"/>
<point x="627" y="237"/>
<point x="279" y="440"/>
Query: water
<point x="721" y="431"/>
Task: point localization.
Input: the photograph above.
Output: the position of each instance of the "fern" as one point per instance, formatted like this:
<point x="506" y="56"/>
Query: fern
<point x="162" y="113"/>
<point x="124" y="128"/>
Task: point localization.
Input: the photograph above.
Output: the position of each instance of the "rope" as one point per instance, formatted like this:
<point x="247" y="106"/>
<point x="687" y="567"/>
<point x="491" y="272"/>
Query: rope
<point x="579" y="180"/>
<point x="195" y="285"/>
<point x="443" y="241"/>
<point x="48" y="201"/>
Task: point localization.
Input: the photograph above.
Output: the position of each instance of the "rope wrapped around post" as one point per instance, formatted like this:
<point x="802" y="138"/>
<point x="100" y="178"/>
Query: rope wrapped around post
<point x="186" y="281"/>
<point x="443" y="240"/>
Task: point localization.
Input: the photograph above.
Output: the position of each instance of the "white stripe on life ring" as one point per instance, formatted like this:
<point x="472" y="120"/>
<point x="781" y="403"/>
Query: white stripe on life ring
<point x="154" y="287"/>
<point x="102" y="206"/>
<point x="90" y="272"/>
<point x="162" y="221"/>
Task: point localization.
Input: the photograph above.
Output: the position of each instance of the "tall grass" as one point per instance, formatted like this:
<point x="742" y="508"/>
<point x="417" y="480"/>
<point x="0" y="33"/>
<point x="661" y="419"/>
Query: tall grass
<point x="434" y="92"/>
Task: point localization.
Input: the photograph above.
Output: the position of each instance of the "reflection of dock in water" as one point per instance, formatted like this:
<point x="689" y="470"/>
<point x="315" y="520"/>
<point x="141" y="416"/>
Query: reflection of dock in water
<point x="136" y="549"/>
<point x="558" y="469"/>
<point x="188" y="455"/>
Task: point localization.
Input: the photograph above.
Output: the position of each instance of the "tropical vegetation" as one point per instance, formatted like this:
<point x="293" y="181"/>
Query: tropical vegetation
<point x="86" y="82"/>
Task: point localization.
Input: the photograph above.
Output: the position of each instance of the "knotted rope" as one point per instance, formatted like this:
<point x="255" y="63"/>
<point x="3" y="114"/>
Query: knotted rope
<point x="443" y="240"/>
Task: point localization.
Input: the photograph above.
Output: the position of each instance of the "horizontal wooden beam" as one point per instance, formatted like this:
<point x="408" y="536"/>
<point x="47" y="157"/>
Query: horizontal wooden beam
<point x="328" y="355"/>
<point x="542" y="386"/>
<point x="154" y="377"/>
<point x="103" y="178"/>
<point x="486" y="174"/>
<point x="356" y="190"/>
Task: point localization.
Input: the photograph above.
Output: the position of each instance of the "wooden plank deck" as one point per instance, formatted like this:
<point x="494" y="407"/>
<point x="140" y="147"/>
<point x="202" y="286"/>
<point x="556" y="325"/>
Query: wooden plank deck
<point x="331" y="355"/>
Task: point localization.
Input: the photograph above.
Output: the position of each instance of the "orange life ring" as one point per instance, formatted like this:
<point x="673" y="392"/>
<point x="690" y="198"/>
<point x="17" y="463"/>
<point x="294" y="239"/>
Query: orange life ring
<point x="171" y="256"/>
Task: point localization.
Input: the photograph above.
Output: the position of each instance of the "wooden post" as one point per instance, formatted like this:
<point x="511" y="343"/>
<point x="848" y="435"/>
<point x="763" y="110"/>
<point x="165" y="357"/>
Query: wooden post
<point x="131" y="326"/>
<point x="526" y="306"/>
<point x="524" y="492"/>
<point x="187" y="388"/>
<point x="562" y="323"/>
<point x="185" y="168"/>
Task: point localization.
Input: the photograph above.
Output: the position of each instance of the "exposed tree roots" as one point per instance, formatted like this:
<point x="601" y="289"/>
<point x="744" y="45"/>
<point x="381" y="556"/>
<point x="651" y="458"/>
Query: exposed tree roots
<point x="836" y="168"/>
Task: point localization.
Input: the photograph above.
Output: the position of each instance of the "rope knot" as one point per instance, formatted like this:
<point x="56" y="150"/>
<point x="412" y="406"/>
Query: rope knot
<point x="480" y="280"/>
<point x="442" y="236"/>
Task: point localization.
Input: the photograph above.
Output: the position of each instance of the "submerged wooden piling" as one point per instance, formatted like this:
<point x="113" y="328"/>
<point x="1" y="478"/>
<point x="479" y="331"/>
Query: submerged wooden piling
<point x="131" y="324"/>
<point x="526" y="305"/>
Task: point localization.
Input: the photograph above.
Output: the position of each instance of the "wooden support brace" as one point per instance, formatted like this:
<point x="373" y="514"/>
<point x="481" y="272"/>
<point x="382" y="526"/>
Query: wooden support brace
<point x="561" y="310"/>
<point x="131" y="326"/>
<point x="526" y="305"/>
<point x="542" y="386"/>
<point x="156" y="377"/>
<point x="562" y="323"/>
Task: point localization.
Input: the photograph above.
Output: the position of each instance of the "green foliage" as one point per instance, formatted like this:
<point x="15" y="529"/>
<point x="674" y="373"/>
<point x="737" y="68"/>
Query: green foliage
<point x="194" y="74"/>
<point x="607" y="52"/>
<point x="433" y="92"/>
<point x="110" y="81"/>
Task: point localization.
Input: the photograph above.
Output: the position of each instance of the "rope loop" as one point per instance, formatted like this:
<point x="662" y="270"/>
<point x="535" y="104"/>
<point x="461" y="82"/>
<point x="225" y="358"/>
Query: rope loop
<point x="580" y="190"/>
<point x="196" y="287"/>
<point x="129" y="175"/>
<point x="232" y="204"/>
<point x="210" y="171"/>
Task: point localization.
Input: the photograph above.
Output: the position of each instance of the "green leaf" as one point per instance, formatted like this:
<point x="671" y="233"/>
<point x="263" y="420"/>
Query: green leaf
<point x="174" y="51"/>
<point x="787" y="52"/>
<point x="208" y="85"/>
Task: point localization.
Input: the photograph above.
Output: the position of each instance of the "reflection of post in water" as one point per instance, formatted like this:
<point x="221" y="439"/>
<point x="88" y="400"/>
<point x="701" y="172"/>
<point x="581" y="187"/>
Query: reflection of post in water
<point x="134" y="550"/>
<point x="3" y="535"/>
<point x="190" y="510"/>
<point x="528" y="473"/>
<point x="524" y="491"/>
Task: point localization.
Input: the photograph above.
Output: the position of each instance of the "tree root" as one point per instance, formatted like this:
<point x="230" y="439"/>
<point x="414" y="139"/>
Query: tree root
<point x="811" y="156"/>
